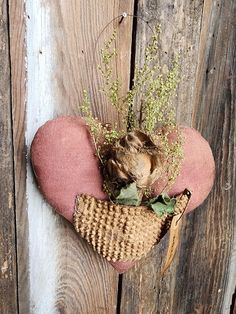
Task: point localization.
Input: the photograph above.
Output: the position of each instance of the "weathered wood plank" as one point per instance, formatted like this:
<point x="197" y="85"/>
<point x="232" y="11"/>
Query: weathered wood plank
<point x="180" y="31"/>
<point x="143" y="289"/>
<point x="215" y="116"/>
<point x="66" y="276"/>
<point x="18" y="83"/>
<point x="81" y="28"/>
<point x="8" y="271"/>
<point x="202" y="278"/>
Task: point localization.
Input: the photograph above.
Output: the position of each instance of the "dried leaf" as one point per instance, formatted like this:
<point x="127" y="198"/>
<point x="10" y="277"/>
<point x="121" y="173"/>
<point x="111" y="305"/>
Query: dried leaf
<point x="162" y="204"/>
<point x="129" y="195"/>
<point x="173" y="241"/>
<point x="182" y="203"/>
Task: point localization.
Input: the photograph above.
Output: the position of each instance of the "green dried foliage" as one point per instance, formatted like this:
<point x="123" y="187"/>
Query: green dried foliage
<point x="101" y="134"/>
<point x="150" y="86"/>
<point x="143" y="76"/>
<point x="112" y="85"/>
<point x="153" y="89"/>
<point x="152" y="92"/>
<point x="162" y="204"/>
<point x="171" y="142"/>
<point x="129" y="195"/>
<point x="156" y="108"/>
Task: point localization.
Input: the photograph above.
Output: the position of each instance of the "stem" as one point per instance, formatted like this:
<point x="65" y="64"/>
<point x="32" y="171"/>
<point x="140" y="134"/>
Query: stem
<point x="97" y="151"/>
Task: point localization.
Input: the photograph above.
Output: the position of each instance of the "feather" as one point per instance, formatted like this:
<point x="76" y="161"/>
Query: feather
<point x="173" y="241"/>
<point x="175" y="228"/>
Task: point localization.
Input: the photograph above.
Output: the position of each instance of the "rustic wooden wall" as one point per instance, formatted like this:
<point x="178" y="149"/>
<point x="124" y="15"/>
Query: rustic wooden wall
<point x="8" y="264"/>
<point x="203" y="277"/>
<point x="44" y="266"/>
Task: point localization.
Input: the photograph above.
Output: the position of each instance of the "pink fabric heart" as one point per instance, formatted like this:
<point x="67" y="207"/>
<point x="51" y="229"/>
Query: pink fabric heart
<point x="197" y="172"/>
<point x="65" y="165"/>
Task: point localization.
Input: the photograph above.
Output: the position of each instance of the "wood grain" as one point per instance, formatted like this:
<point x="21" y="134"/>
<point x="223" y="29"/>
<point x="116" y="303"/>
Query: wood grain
<point x="8" y="270"/>
<point x="66" y="276"/>
<point x="215" y="116"/>
<point x="18" y="84"/>
<point x="202" y="279"/>
<point x="180" y="31"/>
<point x="84" y="29"/>
<point x="58" y="272"/>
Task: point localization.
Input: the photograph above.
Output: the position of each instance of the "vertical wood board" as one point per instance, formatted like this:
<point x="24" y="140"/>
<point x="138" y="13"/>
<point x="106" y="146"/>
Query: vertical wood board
<point x="215" y="116"/>
<point x="202" y="278"/>
<point x="57" y="272"/>
<point x="18" y="84"/>
<point x="144" y="290"/>
<point x="66" y="275"/>
<point x="8" y="268"/>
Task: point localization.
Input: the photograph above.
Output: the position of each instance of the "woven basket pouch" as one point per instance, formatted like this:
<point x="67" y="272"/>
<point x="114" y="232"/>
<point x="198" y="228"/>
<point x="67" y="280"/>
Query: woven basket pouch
<point x="120" y="232"/>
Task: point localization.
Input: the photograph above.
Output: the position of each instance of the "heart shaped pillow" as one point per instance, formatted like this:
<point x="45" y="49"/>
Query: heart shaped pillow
<point x="197" y="170"/>
<point x="65" y="165"/>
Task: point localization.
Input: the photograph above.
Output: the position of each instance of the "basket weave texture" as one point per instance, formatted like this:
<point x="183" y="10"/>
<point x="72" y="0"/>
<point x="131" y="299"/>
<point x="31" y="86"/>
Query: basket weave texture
<point x="119" y="232"/>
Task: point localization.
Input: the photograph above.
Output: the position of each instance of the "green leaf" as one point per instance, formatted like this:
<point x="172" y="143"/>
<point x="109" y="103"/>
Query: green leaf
<point x="166" y="198"/>
<point x="129" y="195"/>
<point x="163" y="204"/>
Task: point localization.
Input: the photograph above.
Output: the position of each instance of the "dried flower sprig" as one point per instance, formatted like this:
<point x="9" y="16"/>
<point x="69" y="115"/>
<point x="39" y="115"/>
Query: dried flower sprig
<point x="171" y="142"/>
<point x="101" y="134"/>
<point x="156" y="109"/>
<point x="112" y="85"/>
<point x="142" y="76"/>
<point x="152" y="92"/>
